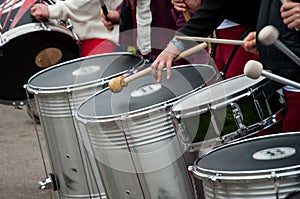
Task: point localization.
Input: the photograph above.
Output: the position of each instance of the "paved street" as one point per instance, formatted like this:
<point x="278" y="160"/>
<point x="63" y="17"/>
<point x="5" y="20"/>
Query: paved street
<point x="21" y="161"/>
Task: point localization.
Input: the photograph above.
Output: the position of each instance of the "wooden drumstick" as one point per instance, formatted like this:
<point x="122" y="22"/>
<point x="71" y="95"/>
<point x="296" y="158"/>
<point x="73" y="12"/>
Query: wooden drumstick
<point x="211" y="40"/>
<point x="117" y="84"/>
<point x="186" y="15"/>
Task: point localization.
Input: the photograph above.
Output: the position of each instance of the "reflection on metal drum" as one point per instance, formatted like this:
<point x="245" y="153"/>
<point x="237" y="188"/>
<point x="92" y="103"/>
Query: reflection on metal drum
<point x="226" y="111"/>
<point x="133" y="138"/>
<point x="233" y="171"/>
<point x="58" y="91"/>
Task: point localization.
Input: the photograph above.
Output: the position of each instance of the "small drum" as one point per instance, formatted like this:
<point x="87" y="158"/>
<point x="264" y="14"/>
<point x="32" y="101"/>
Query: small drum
<point x="228" y="110"/>
<point x="265" y="167"/>
<point x="27" y="46"/>
<point x="58" y="91"/>
<point x="132" y="135"/>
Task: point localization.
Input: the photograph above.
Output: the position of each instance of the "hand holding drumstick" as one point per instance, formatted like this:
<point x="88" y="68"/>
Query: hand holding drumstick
<point x="117" y="84"/>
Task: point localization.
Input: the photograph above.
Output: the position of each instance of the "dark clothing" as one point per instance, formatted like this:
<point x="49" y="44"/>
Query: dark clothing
<point x="213" y="12"/>
<point x="280" y="64"/>
<point x="165" y="21"/>
<point x="271" y="57"/>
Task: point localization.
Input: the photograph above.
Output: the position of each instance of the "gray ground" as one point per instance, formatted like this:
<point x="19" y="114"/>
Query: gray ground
<point x="21" y="161"/>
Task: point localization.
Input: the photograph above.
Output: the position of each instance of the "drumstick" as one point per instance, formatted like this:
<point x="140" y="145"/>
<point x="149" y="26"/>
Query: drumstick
<point x="211" y="40"/>
<point x="117" y="84"/>
<point x="186" y="15"/>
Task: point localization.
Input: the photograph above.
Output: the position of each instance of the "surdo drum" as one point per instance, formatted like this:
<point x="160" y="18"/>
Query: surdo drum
<point x="228" y="110"/>
<point x="58" y="91"/>
<point x="132" y="135"/>
<point x="28" y="46"/>
<point x="265" y="167"/>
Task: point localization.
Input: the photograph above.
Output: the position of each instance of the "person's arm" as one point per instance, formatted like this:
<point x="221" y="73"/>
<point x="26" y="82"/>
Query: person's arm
<point x="205" y="20"/>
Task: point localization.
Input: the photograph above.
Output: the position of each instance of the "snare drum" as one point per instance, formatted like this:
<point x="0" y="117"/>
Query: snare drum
<point x="132" y="135"/>
<point x="225" y="111"/>
<point x="27" y="46"/>
<point x="58" y="91"/>
<point x="265" y="167"/>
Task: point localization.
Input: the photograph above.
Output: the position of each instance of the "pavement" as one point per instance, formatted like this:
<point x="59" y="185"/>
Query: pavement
<point x="21" y="161"/>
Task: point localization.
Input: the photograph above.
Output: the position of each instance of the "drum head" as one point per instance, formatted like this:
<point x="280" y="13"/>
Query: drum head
<point x="216" y="93"/>
<point x="18" y="60"/>
<point x="145" y="92"/>
<point x="83" y="71"/>
<point x="261" y="154"/>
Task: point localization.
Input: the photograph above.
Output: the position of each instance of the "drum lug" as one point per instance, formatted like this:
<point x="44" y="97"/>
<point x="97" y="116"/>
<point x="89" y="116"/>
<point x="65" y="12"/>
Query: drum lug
<point x="44" y="27"/>
<point x="3" y="39"/>
<point x="276" y="183"/>
<point x="49" y="182"/>
<point x="238" y="116"/>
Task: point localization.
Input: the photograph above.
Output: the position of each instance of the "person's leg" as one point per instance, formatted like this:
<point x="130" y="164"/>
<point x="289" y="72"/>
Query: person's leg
<point x="291" y="121"/>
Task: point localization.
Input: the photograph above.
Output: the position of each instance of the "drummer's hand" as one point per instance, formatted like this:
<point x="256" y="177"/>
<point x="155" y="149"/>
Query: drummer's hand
<point x="165" y="59"/>
<point x="114" y="18"/>
<point x="290" y="12"/>
<point x="40" y="11"/>
<point x="182" y="5"/>
<point x="250" y="43"/>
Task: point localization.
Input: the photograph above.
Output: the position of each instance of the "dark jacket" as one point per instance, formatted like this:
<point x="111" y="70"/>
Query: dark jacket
<point x="213" y="12"/>
<point x="271" y="57"/>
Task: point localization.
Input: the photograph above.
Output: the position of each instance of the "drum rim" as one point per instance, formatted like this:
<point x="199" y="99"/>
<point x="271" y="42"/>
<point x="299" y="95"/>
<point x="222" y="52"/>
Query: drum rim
<point x="162" y="105"/>
<point x="67" y="89"/>
<point x="244" y="175"/>
<point x="34" y="27"/>
<point x="201" y="108"/>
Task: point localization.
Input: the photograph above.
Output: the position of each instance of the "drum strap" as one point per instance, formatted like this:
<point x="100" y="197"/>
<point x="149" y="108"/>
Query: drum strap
<point x="3" y="6"/>
<point x="234" y="50"/>
<point x="26" y="5"/>
<point x="8" y="14"/>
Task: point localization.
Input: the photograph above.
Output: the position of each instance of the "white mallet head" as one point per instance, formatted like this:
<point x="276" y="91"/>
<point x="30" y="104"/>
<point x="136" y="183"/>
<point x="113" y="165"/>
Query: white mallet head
<point x="253" y="69"/>
<point x="268" y="35"/>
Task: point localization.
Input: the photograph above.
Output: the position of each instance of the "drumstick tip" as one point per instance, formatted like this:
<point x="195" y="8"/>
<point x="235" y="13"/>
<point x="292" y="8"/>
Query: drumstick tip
<point x="116" y="84"/>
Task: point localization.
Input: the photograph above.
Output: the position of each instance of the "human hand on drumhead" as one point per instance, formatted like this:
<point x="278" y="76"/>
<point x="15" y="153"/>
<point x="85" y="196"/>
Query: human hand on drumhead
<point x="250" y="43"/>
<point x="290" y="12"/>
<point x="40" y="11"/>
<point x="164" y="59"/>
<point x="114" y="18"/>
<point x="182" y="5"/>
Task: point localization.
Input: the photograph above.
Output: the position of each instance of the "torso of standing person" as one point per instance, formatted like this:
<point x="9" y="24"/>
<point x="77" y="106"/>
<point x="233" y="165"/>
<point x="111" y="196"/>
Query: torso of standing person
<point x="85" y="17"/>
<point x="271" y="57"/>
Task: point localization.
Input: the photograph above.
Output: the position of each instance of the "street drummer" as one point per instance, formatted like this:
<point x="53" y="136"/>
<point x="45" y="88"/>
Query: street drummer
<point x="149" y="20"/>
<point x="229" y="59"/>
<point x="205" y="20"/>
<point x="285" y="18"/>
<point x="86" y="20"/>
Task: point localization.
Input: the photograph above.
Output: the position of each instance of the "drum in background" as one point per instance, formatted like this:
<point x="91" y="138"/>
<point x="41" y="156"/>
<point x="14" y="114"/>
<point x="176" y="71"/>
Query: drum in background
<point x="28" y="46"/>
<point x="58" y="91"/>
<point x="132" y="135"/>
<point x="228" y="110"/>
<point x="265" y="167"/>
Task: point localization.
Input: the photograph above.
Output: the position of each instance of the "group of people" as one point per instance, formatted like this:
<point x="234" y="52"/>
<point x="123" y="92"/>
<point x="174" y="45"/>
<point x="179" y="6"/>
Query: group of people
<point x="228" y="19"/>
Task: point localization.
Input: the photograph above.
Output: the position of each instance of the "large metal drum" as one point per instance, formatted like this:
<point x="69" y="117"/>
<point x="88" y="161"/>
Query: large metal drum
<point x="232" y="109"/>
<point x="133" y="138"/>
<point x="58" y="91"/>
<point x="28" y="46"/>
<point x="265" y="167"/>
